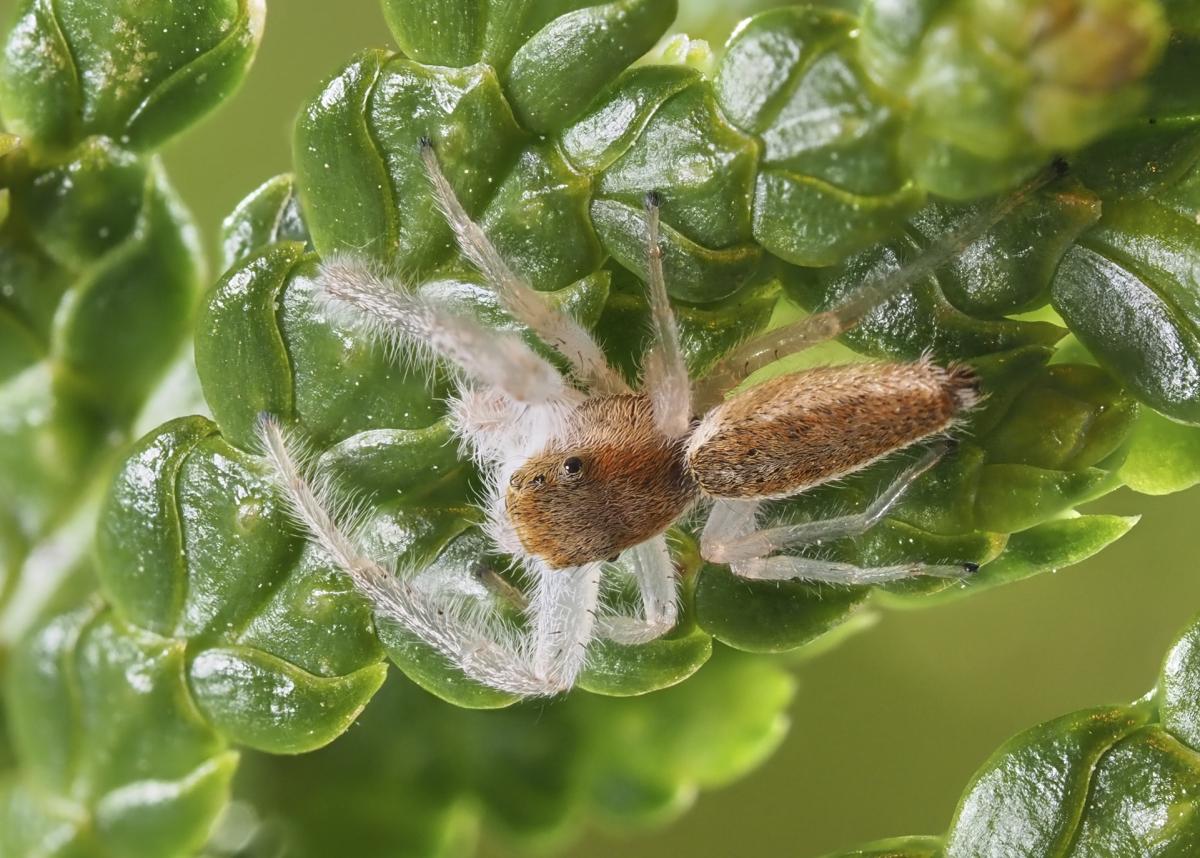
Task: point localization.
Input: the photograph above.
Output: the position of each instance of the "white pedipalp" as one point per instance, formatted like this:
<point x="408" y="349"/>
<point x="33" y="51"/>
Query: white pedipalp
<point x="498" y="431"/>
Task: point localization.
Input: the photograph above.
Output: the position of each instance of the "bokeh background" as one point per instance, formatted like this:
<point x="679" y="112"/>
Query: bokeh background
<point x="887" y="728"/>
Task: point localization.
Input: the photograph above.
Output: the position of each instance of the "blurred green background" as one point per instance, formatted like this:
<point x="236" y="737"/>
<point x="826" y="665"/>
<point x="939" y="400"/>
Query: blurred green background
<point x="887" y="728"/>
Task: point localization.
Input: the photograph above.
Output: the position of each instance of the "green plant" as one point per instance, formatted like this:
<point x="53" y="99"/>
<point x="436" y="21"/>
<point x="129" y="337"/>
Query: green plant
<point x="101" y="265"/>
<point x="216" y="627"/>
<point x="1115" y="780"/>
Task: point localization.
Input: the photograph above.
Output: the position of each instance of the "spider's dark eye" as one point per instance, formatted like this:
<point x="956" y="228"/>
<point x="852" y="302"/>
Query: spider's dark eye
<point x="573" y="466"/>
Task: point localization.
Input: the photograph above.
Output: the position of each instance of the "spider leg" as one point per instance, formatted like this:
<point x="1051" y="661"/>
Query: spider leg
<point x="544" y="661"/>
<point x="654" y="572"/>
<point x="502" y="431"/>
<point x="732" y="536"/>
<point x="667" y="379"/>
<point x="408" y="323"/>
<point x="553" y="326"/>
<point x="820" y="327"/>
<point x="562" y="618"/>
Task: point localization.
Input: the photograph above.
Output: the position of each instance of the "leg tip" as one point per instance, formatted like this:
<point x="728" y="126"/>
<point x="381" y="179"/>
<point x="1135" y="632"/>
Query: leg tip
<point x="948" y="445"/>
<point x="425" y="143"/>
<point x="970" y="568"/>
<point x="654" y="200"/>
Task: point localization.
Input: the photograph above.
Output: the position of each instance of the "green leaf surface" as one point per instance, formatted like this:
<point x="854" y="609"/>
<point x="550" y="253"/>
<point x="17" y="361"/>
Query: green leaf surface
<point x="100" y="265"/>
<point x="268" y="215"/>
<point x="565" y="64"/>
<point x="131" y="71"/>
<point x="1129" y="291"/>
<point x="116" y="761"/>
<point x="1164" y="456"/>
<point x="1033" y="790"/>
<point x="535" y="773"/>
<point x="275" y="660"/>
<point x="1121" y="780"/>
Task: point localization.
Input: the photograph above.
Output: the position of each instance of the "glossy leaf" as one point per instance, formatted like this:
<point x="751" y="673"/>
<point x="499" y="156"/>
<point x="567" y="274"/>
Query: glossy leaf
<point x="116" y="761"/>
<point x="1163" y="457"/>
<point x="531" y="770"/>
<point x="1129" y="292"/>
<point x="133" y="72"/>
<point x="94" y="243"/>
<point x="100" y="265"/>
<point x="1033" y="790"/>
<point x="268" y="215"/>
<point x="830" y="183"/>
<point x="565" y="64"/>
<point x="1121" y="780"/>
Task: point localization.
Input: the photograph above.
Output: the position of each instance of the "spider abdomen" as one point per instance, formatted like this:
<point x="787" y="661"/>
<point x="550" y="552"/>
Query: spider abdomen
<point x="806" y="428"/>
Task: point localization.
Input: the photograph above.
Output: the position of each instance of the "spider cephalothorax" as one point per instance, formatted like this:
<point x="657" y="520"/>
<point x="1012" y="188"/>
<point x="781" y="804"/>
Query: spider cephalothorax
<point x="582" y="469"/>
<point x="614" y="481"/>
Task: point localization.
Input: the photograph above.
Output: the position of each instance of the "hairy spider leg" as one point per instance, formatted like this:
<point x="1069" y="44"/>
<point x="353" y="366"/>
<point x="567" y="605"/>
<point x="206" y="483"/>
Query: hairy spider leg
<point x="731" y="536"/>
<point x="407" y="323"/>
<point x="544" y="662"/>
<point x="820" y="327"/>
<point x="553" y="326"/>
<point x="654" y="572"/>
<point x="666" y="374"/>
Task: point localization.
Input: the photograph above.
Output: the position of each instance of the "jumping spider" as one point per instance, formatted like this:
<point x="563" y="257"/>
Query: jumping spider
<point x="581" y="470"/>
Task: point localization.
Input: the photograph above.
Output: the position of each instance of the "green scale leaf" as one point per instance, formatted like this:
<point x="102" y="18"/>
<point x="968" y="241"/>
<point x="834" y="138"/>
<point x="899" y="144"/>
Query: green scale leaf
<point x="535" y="773"/>
<point x="100" y="261"/>
<point x="136" y="72"/>
<point x="97" y="244"/>
<point x="100" y="266"/>
<point x="115" y="759"/>
<point x="1120" y="780"/>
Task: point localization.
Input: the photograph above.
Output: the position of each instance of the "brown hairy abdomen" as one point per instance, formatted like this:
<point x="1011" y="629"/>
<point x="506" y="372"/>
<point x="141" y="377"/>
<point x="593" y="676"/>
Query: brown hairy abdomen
<point x="810" y="427"/>
<point x="634" y="484"/>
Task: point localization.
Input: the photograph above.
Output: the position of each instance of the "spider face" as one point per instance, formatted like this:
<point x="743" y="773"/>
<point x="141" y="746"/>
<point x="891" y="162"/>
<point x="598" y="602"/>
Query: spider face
<point x="614" y="482"/>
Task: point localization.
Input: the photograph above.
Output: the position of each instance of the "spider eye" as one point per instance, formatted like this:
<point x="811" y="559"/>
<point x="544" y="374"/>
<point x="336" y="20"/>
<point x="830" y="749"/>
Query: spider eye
<point x="573" y="466"/>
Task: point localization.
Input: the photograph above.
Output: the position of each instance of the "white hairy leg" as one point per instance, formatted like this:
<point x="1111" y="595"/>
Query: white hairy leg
<point x="554" y="327"/>
<point x="788" y="567"/>
<point x="562" y="616"/>
<point x="732" y="536"/>
<point x="407" y="323"/>
<point x="542" y="662"/>
<point x="501" y="431"/>
<point x="654" y="572"/>
<point x="820" y="327"/>
<point x="666" y="372"/>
